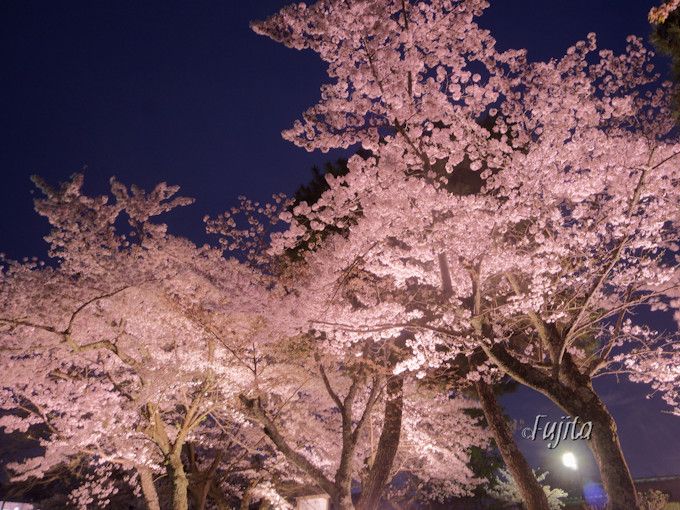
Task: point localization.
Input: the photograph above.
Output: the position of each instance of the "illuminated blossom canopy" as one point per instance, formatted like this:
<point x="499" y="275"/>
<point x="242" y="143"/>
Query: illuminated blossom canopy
<point x="573" y="228"/>
<point x="504" y="216"/>
<point x="131" y="347"/>
<point x="137" y="351"/>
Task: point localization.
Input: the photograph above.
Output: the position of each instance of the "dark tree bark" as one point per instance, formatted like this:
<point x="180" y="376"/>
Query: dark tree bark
<point x="530" y="490"/>
<point x="532" y="493"/>
<point x="343" y="476"/>
<point x="572" y="390"/>
<point x="388" y="444"/>
<point x="605" y="445"/>
<point x="202" y="483"/>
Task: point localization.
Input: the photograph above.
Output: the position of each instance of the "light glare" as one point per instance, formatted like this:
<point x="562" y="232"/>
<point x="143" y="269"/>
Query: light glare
<point x="569" y="460"/>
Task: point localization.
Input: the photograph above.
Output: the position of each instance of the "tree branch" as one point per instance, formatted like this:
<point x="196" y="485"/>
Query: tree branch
<point x="272" y="431"/>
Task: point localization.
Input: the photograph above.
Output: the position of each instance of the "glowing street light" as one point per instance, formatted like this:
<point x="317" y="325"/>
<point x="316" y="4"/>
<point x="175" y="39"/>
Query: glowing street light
<point x="569" y="460"/>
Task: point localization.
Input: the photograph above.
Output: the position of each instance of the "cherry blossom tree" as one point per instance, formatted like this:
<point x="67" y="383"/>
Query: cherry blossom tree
<point x="657" y="365"/>
<point x="574" y="227"/>
<point x="144" y="354"/>
<point x="506" y="490"/>
<point x="132" y="346"/>
<point x="340" y="415"/>
<point x="408" y="87"/>
<point x="338" y="425"/>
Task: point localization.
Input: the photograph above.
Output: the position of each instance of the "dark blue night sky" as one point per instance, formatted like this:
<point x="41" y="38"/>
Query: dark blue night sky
<point x="184" y="92"/>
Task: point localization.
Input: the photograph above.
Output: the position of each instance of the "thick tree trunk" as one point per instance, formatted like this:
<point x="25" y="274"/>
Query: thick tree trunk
<point x="180" y="483"/>
<point x="572" y="390"/>
<point x="218" y="498"/>
<point x="343" y="479"/>
<point x="532" y="493"/>
<point x="388" y="445"/>
<point x="343" y="501"/>
<point x="201" y="483"/>
<point x="148" y="488"/>
<point x="618" y="482"/>
<point x="605" y="445"/>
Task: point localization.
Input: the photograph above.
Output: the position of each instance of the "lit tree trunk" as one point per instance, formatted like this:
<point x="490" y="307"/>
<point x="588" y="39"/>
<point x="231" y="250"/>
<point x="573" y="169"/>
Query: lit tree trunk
<point x="148" y="488"/>
<point x="202" y="483"/>
<point x="343" y="476"/>
<point x="247" y="496"/>
<point x="572" y="390"/>
<point x="156" y="431"/>
<point x="618" y="481"/>
<point x="340" y="488"/>
<point x="180" y="484"/>
<point x="388" y="444"/>
<point x="218" y="498"/>
<point x="574" y="393"/>
<point x="254" y="407"/>
<point x="343" y="500"/>
<point x="605" y="445"/>
<point x="532" y="493"/>
<point x="343" y="484"/>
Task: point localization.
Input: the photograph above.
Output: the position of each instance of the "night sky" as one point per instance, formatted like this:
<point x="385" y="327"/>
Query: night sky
<point x="184" y="92"/>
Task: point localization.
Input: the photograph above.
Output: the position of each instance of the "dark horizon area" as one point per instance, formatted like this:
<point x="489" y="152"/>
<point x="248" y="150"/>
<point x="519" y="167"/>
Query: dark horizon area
<point x="185" y="92"/>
